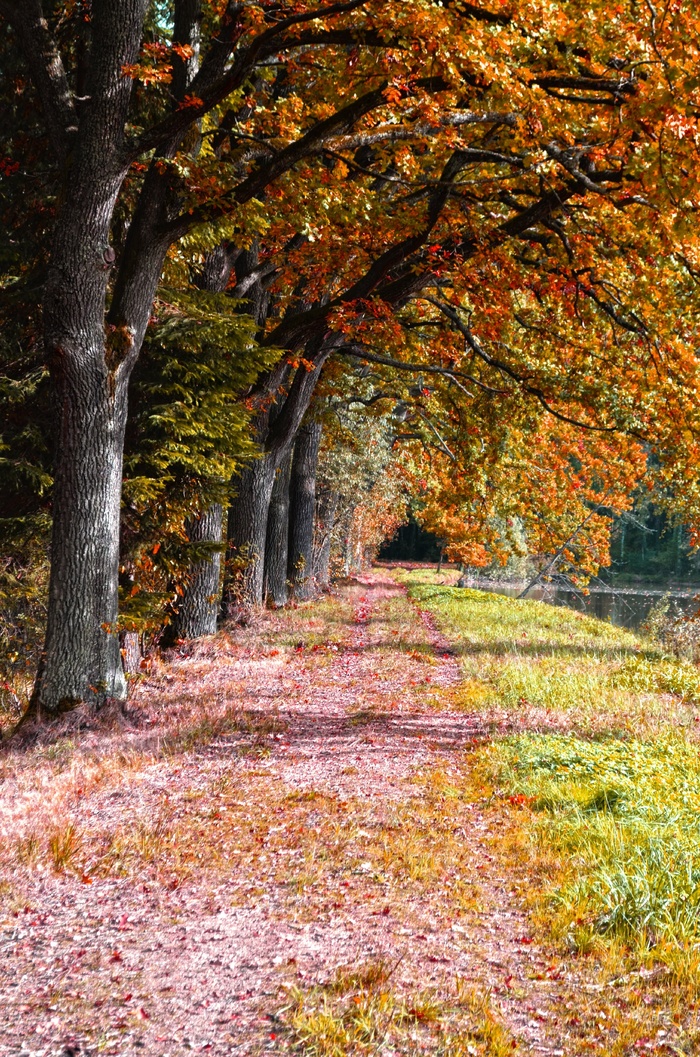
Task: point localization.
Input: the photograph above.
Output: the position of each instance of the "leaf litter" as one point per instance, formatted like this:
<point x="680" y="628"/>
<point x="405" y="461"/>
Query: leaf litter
<point x="273" y="849"/>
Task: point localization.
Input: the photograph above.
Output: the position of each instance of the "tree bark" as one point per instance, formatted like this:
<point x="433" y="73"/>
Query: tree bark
<point x="247" y="531"/>
<point x="276" y="549"/>
<point x="302" y="507"/>
<point x="90" y="369"/>
<point x="276" y="427"/>
<point x="82" y="659"/>
<point x="130" y="648"/>
<point x="326" y="510"/>
<point x="198" y="612"/>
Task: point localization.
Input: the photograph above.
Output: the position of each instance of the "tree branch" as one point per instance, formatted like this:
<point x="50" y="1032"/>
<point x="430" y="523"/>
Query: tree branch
<point x="499" y="365"/>
<point x="208" y="93"/>
<point x="419" y="368"/>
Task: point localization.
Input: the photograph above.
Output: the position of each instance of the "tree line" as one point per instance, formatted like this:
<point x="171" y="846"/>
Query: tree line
<point x="463" y="232"/>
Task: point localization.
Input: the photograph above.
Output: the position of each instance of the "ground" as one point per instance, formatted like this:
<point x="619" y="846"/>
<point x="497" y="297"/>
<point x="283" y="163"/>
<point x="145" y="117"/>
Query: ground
<point x="288" y="842"/>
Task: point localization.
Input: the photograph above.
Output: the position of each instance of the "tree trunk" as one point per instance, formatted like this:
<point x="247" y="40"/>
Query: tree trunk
<point x="276" y="589"/>
<point x="200" y="604"/>
<point x="302" y="507"/>
<point x="247" y="531"/>
<point x="82" y="659"/>
<point x="90" y="368"/>
<point x="276" y="427"/>
<point x="130" y="648"/>
<point x="327" y="508"/>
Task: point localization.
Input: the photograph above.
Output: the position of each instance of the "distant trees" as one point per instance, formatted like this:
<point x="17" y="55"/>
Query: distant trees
<point x="464" y="216"/>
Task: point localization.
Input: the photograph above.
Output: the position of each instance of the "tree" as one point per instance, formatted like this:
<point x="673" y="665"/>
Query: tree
<point x="302" y="510"/>
<point x="367" y="156"/>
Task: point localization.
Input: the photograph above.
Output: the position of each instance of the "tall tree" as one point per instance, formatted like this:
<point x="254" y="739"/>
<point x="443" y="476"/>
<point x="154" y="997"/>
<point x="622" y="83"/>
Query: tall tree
<point x="379" y="153"/>
<point x="302" y="509"/>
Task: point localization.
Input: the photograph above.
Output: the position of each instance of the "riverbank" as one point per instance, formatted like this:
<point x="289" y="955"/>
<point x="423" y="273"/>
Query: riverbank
<point x="328" y="833"/>
<point x="600" y="772"/>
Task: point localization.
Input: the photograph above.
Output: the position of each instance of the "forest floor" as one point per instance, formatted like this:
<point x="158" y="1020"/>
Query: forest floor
<point x="299" y="837"/>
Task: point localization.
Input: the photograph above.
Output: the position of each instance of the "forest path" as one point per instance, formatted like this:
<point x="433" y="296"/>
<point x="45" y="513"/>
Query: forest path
<point x="284" y="808"/>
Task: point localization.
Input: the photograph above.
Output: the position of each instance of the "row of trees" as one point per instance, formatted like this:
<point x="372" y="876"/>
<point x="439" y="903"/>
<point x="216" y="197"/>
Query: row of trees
<point x="473" y="224"/>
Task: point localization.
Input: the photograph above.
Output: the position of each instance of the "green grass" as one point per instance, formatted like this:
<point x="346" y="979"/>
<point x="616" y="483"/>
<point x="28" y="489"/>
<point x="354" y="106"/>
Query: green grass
<point x="602" y="778"/>
<point x="625" y="818"/>
<point x="525" y="657"/>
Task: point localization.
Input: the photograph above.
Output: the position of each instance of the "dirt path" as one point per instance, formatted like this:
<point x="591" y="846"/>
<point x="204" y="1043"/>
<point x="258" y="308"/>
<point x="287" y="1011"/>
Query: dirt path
<point x="256" y="852"/>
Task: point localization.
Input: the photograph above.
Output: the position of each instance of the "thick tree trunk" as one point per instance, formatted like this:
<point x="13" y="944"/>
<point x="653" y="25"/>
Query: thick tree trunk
<point x="302" y="507"/>
<point x="82" y="659"/>
<point x="90" y="369"/>
<point x="276" y="589"/>
<point x="327" y="508"/>
<point x="247" y="531"/>
<point x="200" y="604"/>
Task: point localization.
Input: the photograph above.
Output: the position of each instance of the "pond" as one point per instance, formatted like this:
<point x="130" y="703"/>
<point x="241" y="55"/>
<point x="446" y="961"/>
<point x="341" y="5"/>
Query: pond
<point x="628" y="607"/>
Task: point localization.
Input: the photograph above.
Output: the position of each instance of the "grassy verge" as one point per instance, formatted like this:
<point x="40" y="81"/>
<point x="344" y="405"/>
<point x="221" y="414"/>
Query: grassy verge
<point x="540" y="666"/>
<point x="601" y="779"/>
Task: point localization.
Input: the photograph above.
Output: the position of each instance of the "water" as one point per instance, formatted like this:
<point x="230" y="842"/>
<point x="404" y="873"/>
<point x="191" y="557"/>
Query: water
<point x="625" y="606"/>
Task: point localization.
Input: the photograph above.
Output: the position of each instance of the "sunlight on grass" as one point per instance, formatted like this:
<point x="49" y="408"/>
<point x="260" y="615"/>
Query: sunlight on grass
<point x="626" y="815"/>
<point x="604" y="810"/>
<point x="527" y="656"/>
<point x="359" y="1011"/>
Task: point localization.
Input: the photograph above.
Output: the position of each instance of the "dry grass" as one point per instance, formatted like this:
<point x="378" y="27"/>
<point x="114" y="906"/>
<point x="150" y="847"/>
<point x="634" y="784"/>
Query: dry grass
<point x="358" y="1012"/>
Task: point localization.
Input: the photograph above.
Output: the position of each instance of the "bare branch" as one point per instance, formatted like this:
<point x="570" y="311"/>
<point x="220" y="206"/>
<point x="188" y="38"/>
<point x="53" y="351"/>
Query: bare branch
<point x="420" y="368"/>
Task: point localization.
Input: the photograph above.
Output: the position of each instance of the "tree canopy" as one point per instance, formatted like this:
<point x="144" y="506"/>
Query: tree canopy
<point x="474" y="220"/>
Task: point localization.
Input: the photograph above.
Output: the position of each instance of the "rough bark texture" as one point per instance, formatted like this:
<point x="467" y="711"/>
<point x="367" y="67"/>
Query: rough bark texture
<point x="90" y="371"/>
<point x="130" y="647"/>
<point x="82" y="656"/>
<point x="326" y="511"/>
<point x="302" y="507"/>
<point x="247" y="531"/>
<point x="200" y="604"/>
<point x="276" y="588"/>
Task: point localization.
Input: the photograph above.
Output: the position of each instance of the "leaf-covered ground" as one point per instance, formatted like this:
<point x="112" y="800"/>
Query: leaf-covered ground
<point x="294" y="840"/>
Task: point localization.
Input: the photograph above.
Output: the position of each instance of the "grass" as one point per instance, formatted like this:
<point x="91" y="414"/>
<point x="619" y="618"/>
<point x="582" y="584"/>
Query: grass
<point x="600" y="783"/>
<point x="359" y="1012"/>
<point x="625" y="818"/>
<point x="537" y="664"/>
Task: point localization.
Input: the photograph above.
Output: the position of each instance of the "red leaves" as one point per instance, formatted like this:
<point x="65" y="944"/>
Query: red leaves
<point x="191" y="102"/>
